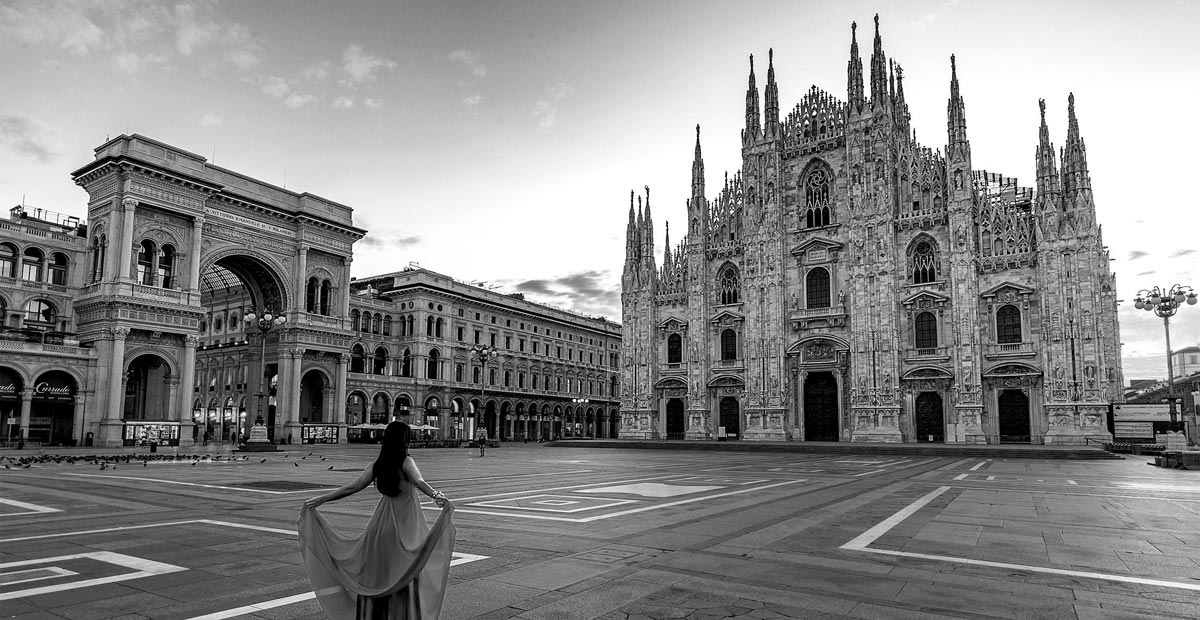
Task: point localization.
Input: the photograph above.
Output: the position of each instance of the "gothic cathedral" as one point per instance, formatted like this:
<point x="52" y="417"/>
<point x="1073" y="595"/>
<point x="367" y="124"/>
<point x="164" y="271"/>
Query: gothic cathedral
<point x="850" y="284"/>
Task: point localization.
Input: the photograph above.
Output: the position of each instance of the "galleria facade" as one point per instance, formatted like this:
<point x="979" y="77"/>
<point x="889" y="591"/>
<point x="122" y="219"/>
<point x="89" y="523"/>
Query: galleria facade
<point x="131" y="327"/>
<point x="851" y="284"/>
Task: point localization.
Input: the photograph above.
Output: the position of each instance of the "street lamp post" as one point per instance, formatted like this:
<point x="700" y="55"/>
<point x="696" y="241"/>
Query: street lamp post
<point x="578" y="403"/>
<point x="1166" y="305"/>
<point x="485" y="353"/>
<point x="265" y="321"/>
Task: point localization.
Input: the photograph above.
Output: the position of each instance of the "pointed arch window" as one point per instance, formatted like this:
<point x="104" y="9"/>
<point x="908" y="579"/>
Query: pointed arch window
<point x="728" y="287"/>
<point x="1008" y="325"/>
<point x="817" y="288"/>
<point x="926" y="331"/>
<point x="816" y="199"/>
<point x="924" y="263"/>
<point x="674" y="349"/>
<point x="729" y="348"/>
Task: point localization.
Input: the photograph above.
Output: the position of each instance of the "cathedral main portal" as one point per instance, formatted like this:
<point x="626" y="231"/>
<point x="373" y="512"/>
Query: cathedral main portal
<point x="820" y="407"/>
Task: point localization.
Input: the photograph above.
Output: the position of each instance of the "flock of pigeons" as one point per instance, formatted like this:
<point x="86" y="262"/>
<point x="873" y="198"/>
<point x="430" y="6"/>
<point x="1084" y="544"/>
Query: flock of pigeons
<point x="110" y="461"/>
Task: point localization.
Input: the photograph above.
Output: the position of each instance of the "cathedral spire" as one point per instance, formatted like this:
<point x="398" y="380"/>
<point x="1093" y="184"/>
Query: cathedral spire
<point x="667" y="242"/>
<point x="1047" y="169"/>
<point x="902" y="115"/>
<point x="771" y="110"/>
<point x="698" y="169"/>
<point x="631" y="233"/>
<point x="1075" y="178"/>
<point x="957" y="146"/>
<point x="648" y="231"/>
<point x="753" y="126"/>
<point x="854" y="72"/>
<point x="879" y="89"/>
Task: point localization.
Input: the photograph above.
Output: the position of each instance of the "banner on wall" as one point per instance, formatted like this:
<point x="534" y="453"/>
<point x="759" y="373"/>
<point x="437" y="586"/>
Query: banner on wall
<point x="10" y="385"/>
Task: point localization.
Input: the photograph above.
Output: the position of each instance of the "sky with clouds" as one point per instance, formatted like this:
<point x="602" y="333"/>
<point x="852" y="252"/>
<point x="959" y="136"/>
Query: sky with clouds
<point x="497" y="141"/>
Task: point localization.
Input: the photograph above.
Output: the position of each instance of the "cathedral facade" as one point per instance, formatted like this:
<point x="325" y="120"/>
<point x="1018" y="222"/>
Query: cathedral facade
<point x="851" y="284"/>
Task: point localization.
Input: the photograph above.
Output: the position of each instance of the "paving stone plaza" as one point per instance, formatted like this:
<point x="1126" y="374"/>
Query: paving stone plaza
<point x="559" y="532"/>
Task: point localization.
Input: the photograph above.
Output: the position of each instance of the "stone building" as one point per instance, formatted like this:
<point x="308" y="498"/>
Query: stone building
<point x="132" y="328"/>
<point x="851" y="284"/>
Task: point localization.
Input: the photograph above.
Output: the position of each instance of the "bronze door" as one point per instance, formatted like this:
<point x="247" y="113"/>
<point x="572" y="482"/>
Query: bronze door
<point x="1014" y="417"/>
<point x="676" y="427"/>
<point x="820" y="407"/>
<point x="931" y="426"/>
<point x="730" y="416"/>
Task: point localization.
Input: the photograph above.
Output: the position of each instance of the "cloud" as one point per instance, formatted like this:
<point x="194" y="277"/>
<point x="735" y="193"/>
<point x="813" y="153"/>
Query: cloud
<point x="594" y="293"/>
<point x="1146" y="273"/>
<point x="343" y="103"/>
<point x="359" y="66"/>
<point x="209" y="120"/>
<point x="276" y="87"/>
<point x="372" y="103"/>
<point x="546" y="109"/>
<point x="31" y="138"/>
<point x="1136" y="254"/>
<point x="131" y="63"/>
<point x="64" y="25"/>
<point x="317" y="71"/>
<point x="930" y="18"/>
<point x="385" y="239"/>
<point x="470" y="61"/>
<point x="1179" y="253"/>
<point x="296" y="100"/>
<point x="472" y="102"/>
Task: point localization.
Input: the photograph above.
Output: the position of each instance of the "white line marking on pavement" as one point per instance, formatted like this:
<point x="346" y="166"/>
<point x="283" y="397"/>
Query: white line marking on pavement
<point x="460" y="558"/>
<point x="868" y="473"/>
<point x="196" y="484"/>
<point x="961" y="476"/>
<point x="990" y="478"/>
<point x="1072" y="482"/>
<point x="861" y="542"/>
<point x="34" y="574"/>
<point x="30" y="509"/>
<point x="142" y="566"/>
<point x="979" y="464"/>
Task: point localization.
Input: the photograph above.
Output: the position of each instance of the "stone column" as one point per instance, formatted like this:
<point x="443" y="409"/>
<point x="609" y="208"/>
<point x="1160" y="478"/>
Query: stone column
<point x="78" y="422"/>
<point x="301" y="279"/>
<point x="26" y="407"/>
<point x="125" y="259"/>
<point x="187" y="387"/>
<point x="344" y="290"/>
<point x="801" y="377"/>
<point x="837" y="376"/>
<point x="193" y="276"/>
<point x="339" y="394"/>
<point x="289" y="386"/>
<point x="116" y="375"/>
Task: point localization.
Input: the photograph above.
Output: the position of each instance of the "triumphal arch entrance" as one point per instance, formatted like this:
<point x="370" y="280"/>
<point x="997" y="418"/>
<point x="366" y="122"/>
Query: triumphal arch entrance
<point x="181" y="252"/>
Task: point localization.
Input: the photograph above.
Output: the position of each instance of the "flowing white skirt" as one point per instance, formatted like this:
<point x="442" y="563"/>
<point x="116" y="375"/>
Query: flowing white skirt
<point x="397" y="567"/>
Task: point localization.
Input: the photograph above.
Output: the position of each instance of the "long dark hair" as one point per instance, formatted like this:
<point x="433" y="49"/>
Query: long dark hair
<point x="391" y="457"/>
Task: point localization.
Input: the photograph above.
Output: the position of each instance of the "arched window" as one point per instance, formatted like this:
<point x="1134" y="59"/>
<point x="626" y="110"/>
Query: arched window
<point x="729" y="348"/>
<point x="428" y="326"/>
<point x="438" y="327"/>
<point x="377" y="324"/>
<point x="366" y="322"/>
<point x="926" y="331"/>
<point x="412" y="325"/>
<point x="924" y="263"/>
<point x="358" y="359"/>
<point x="507" y="378"/>
<point x="32" y="269"/>
<point x="8" y="260"/>
<point x="475" y="375"/>
<point x="387" y="325"/>
<point x="99" y="252"/>
<point x="816" y="199"/>
<point x="379" y="367"/>
<point x="431" y="365"/>
<point x="40" y="314"/>
<point x="166" y="266"/>
<point x="727" y="286"/>
<point x="145" y="263"/>
<point x="58" y="269"/>
<point x="1008" y="325"/>
<point x="674" y="349"/>
<point x="817" y="288"/>
<point x="406" y="364"/>
<point x="311" y="295"/>
<point x="326" y="292"/>
<point x="354" y="320"/>
<point x="458" y="372"/>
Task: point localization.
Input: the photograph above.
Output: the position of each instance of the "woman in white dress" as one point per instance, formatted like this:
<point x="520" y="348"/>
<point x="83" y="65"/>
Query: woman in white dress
<point x="398" y="566"/>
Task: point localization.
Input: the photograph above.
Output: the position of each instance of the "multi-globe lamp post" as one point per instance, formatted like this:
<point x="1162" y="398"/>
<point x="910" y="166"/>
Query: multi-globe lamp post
<point x="265" y="321"/>
<point x="578" y="426"/>
<point x="1165" y="305"/>
<point x="484" y="353"/>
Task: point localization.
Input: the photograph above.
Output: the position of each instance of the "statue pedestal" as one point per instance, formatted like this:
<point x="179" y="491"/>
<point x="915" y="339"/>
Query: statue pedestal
<point x="258" y="441"/>
<point x="766" y="426"/>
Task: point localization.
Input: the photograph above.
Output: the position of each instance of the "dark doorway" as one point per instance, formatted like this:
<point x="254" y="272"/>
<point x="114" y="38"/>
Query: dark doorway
<point x="1014" y="417"/>
<point x="730" y="415"/>
<point x="676" y="428"/>
<point x="931" y="426"/>
<point x="820" y="407"/>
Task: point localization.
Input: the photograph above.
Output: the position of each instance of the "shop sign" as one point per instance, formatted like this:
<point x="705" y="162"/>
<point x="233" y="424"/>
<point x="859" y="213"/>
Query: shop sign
<point x="9" y="382"/>
<point x="1142" y="412"/>
<point x="59" y="391"/>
